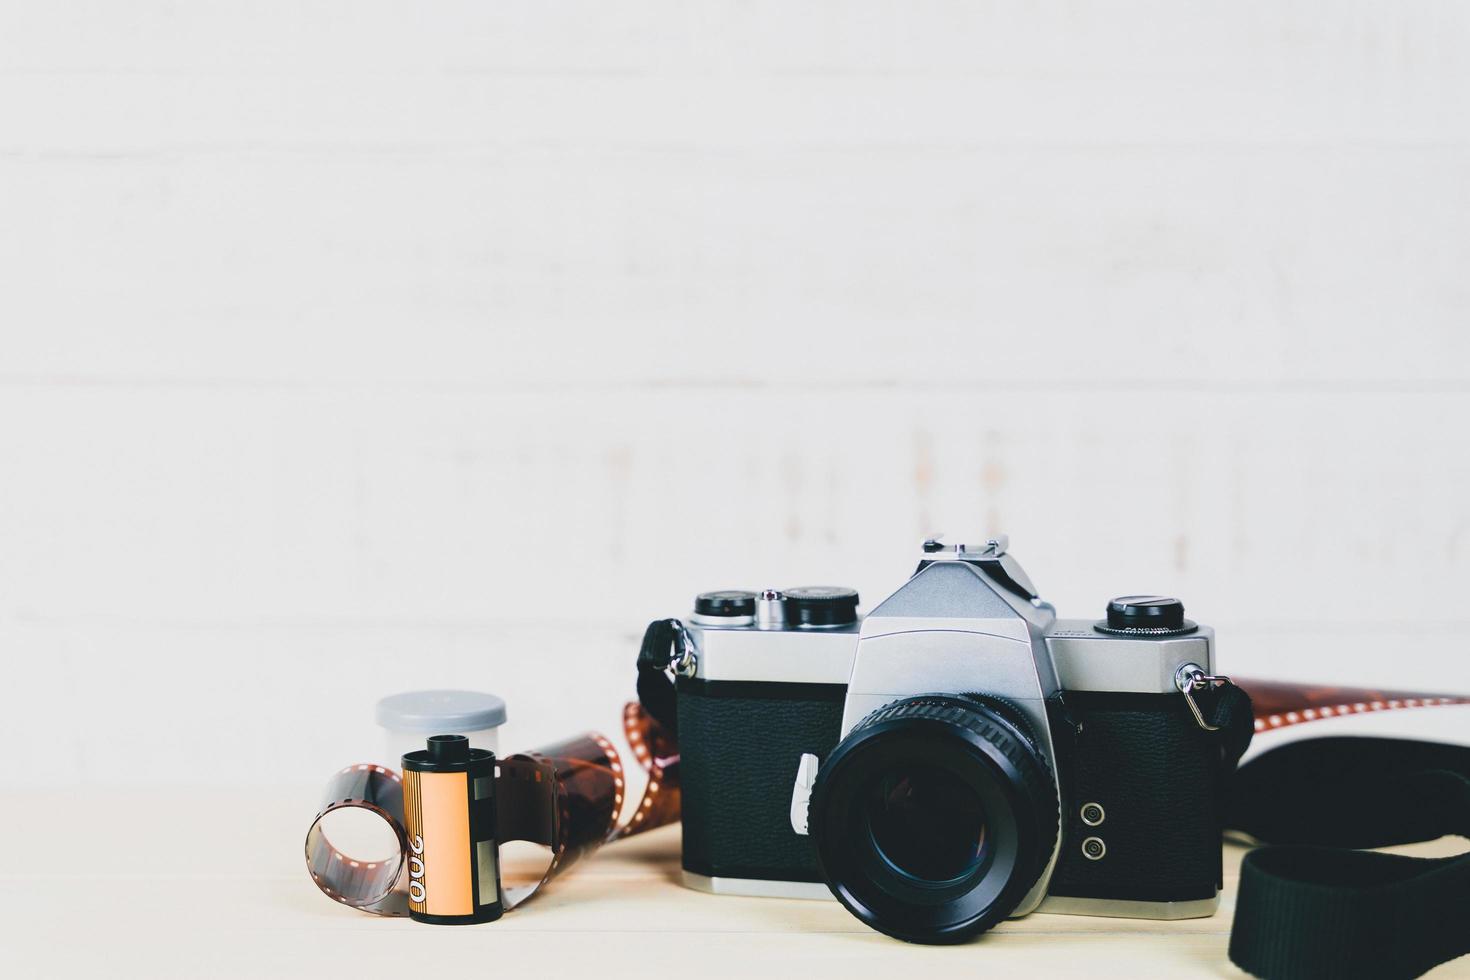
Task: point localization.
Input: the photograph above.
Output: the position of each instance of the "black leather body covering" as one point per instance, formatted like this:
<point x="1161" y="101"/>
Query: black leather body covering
<point x="1159" y="778"/>
<point x="740" y="744"/>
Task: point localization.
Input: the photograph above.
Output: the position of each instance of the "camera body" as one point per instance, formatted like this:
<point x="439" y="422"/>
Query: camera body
<point x="958" y="756"/>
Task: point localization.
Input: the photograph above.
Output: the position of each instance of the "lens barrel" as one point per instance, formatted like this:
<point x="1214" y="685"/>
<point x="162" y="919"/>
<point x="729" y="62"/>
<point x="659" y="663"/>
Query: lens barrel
<point x="934" y="817"/>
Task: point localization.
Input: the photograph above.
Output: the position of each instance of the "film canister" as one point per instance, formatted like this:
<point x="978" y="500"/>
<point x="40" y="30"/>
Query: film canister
<point x="449" y="809"/>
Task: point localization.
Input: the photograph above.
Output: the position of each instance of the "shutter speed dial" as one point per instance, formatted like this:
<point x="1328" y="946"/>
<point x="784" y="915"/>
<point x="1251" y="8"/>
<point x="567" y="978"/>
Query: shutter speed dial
<point x="821" y="605"/>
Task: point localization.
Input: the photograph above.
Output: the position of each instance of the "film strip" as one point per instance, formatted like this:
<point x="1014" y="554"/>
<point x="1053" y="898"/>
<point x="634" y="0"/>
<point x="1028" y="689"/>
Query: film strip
<point x="569" y="797"/>
<point x="658" y="755"/>
<point x="377" y="886"/>
<point x="1280" y="704"/>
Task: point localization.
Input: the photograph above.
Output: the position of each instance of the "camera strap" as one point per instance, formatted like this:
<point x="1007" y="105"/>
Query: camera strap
<point x="1313" y="904"/>
<point x="665" y="648"/>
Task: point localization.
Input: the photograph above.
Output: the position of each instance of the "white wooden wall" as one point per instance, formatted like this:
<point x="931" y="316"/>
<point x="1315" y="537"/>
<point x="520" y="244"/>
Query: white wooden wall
<point x="347" y="347"/>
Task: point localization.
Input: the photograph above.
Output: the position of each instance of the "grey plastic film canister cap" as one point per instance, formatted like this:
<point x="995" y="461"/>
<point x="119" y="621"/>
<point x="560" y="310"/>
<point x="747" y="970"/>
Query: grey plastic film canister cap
<point x="436" y="712"/>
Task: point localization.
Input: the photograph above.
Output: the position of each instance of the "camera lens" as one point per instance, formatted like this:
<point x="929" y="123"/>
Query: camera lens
<point x="934" y="817"/>
<point x="927" y="823"/>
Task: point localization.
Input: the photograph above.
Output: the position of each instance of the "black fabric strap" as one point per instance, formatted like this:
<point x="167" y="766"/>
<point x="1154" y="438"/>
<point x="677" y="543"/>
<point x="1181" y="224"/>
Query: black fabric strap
<point x="1313" y="907"/>
<point x="655" y="686"/>
<point x="1228" y="708"/>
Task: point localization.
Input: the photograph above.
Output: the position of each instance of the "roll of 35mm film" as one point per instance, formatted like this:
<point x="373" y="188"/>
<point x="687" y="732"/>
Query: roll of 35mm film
<point x="449" y="809"/>
<point x="440" y="859"/>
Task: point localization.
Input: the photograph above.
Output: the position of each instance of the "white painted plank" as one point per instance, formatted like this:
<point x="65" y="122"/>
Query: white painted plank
<point x="1179" y="268"/>
<point x="269" y="507"/>
<point x="1313" y="42"/>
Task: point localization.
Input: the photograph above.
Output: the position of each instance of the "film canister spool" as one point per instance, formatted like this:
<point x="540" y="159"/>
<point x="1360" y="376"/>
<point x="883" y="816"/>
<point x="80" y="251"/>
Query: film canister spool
<point x="449" y="809"/>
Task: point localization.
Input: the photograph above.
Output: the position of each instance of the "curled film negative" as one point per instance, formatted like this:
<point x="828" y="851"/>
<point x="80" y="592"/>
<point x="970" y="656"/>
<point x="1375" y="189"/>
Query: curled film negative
<point x="568" y="797"/>
<point x="1283" y="704"/>
<point x="373" y="885"/>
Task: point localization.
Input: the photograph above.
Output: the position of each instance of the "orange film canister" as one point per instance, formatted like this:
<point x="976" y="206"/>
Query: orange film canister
<point x="449" y="810"/>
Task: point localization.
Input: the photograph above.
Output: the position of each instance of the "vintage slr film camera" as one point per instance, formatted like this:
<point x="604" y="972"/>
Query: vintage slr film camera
<point x="956" y="757"/>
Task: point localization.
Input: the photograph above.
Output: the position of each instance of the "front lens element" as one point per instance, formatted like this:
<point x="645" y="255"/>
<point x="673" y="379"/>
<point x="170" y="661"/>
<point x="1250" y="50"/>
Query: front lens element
<point x="927" y="823"/>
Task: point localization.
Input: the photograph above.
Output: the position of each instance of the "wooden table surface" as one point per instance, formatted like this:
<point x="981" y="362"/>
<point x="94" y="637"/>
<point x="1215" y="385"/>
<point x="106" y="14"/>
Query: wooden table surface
<point x="210" y="883"/>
